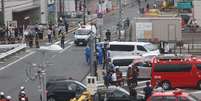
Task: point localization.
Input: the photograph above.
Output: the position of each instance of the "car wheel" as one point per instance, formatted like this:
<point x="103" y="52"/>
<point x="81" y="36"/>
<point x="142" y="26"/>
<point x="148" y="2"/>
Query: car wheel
<point x="199" y="85"/>
<point x="51" y="99"/>
<point x="166" y="85"/>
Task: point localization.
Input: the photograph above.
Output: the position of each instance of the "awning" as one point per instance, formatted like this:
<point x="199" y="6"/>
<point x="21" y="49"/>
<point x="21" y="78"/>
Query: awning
<point x="25" y="8"/>
<point x="184" y="5"/>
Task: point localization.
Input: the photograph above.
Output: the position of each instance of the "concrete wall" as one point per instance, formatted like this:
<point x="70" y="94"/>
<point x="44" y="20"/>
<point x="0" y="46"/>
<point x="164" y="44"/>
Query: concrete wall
<point x="163" y="28"/>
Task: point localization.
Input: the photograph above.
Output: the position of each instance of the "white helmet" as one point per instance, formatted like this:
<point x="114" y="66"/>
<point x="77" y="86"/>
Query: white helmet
<point x="2" y="93"/>
<point x="8" y="97"/>
<point x="22" y="88"/>
<point x="23" y="92"/>
<point x="23" y="99"/>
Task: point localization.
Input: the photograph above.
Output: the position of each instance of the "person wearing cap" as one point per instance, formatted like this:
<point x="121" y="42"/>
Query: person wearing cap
<point x="2" y="96"/>
<point x="8" y="98"/>
<point x="23" y="97"/>
<point x="129" y="75"/>
<point x="147" y="90"/>
<point x="108" y="35"/>
<point x="119" y="76"/>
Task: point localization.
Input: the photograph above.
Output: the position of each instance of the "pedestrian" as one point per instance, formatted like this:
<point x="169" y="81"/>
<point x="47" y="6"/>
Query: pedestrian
<point x="108" y="35"/>
<point x="2" y="96"/>
<point x="22" y="96"/>
<point x="30" y="35"/>
<point x="135" y="71"/>
<point x="129" y="76"/>
<point x="37" y="40"/>
<point x="119" y="76"/>
<point x="8" y="98"/>
<point x="87" y="52"/>
<point x="133" y="93"/>
<point x="107" y="78"/>
<point x="147" y="7"/>
<point x="49" y="35"/>
<point x="114" y="78"/>
<point x="147" y="90"/>
<point x="62" y="40"/>
<point x="66" y="26"/>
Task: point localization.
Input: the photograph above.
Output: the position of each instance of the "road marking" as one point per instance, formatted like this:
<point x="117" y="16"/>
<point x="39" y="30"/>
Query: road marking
<point x="196" y="92"/>
<point x="16" y="61"/>
<point x="60" y="41"/>
<point x="140" y="87"/>
<point x="141" y="82"/>
<point x="66" y="48"/>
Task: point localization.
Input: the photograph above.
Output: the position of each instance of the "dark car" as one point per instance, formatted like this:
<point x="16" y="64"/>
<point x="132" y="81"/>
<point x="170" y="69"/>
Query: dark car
<point x="114" y="93"/>
<point x="63" y="90"/>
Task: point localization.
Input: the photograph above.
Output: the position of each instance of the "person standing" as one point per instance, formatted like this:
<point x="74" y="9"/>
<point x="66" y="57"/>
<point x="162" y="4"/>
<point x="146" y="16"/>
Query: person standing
<point x="135" y="71"/>
<point x="62" y="40"/>
<point x="147" y="90"/>
<point x="114" y="78"/>
<point x="49" y="33"/>
<point x="87" y="52"/>
<point x="100" y="55"/>
<point x="2" y="96"/>
<point x="119" y="76"/>
<point x="108" y="35"/>
<point x="129" y="76"/>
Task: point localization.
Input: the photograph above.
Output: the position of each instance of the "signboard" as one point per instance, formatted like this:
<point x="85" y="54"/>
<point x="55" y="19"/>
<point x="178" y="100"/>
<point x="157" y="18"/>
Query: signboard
<point x="143" y="30"/>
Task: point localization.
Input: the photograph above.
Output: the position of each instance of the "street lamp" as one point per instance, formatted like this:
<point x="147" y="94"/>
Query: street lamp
<point x="40" y="70"/>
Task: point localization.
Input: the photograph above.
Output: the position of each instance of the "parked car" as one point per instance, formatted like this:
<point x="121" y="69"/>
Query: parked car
<point x="114" y="93"/>
<point x="64" y="90"/>
<point x="176" y="95"/>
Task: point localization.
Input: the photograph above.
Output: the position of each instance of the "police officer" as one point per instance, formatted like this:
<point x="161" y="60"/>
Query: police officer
<point x="8" y="98"/>
<point x="108" y="35"/>
<point x="129" y="75"/>
<point x="147" y="90"/>
<point x="2" y="96"/>
<point x="135" y="71"/>
<point x="119" y="76"/>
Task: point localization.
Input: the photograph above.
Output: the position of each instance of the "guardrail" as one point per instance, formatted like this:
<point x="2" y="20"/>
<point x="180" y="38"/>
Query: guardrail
<point x="12" y="51"/>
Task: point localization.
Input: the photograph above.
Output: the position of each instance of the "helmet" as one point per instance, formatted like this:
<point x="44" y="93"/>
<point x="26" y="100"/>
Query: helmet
<point x="8" y="97"/>
<point x="23" y="99"/>
<point x="117" y="67"/>
<point x="1" y="93"/>
<point x="22" y="88"/>
<point x="22" y="92"/>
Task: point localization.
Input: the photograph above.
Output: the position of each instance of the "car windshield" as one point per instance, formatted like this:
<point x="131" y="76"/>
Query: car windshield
<point x="82" y="32"/>
<point x="150" y="47"/>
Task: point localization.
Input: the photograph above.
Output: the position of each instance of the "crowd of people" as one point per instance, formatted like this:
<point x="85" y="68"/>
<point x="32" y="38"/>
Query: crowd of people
<point x="21" y="97"/>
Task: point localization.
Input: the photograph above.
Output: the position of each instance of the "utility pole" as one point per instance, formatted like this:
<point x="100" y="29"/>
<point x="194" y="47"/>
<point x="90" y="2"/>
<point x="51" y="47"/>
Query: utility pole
<point x="44" y="11"/>
<point x="84" y="16"/>
<point x="2" y="11"/>
<point x="120" y="19"/>
<point x="56" y="11"/>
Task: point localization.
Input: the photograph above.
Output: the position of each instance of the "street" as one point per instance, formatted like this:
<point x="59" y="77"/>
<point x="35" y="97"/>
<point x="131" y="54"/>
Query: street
<point x="69" y="62"/>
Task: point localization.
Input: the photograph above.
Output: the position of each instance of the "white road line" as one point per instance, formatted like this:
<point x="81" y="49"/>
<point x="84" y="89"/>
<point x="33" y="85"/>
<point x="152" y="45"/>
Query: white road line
<point x="16" y="61"/>
<point x="141" y="82"/>
<point x="140" y="87"/>
<point x="60" y="41"/>
<point x="197" y="92"/>
<point x="140" y="94"/>
<point x="66" y="48"/>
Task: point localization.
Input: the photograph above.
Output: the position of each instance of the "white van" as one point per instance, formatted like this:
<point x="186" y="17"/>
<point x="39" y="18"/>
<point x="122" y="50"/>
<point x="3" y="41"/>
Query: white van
<point x="124" y="61"/>
<point x="144" y="49"/>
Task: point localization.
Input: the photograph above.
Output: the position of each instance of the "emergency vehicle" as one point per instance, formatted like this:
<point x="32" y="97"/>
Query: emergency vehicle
<point x="176" y="95"/>
<point x="173" y="71"/>
<point x="82" y="35"/>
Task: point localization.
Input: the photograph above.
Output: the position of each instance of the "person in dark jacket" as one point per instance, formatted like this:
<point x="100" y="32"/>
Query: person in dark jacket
<point x="108" y="35"/>
<point x="147" y="90"/>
